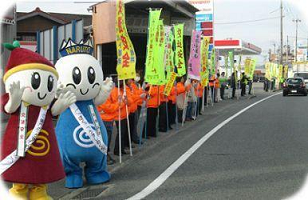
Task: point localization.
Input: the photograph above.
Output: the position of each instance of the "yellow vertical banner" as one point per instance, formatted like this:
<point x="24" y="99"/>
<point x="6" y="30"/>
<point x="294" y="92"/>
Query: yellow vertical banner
<point x="126" y="57"/>
<point x="169" y="84"/>
<point x="247" y="66"/>
<point x="179" y="49"/>
<point x="285" y="71"/>
<point x="204" y="75"/>
<point x="280" y="76"/>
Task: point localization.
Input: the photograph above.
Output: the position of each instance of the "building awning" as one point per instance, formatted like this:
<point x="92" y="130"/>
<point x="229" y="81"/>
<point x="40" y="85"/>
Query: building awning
<point x="239" y="47"/>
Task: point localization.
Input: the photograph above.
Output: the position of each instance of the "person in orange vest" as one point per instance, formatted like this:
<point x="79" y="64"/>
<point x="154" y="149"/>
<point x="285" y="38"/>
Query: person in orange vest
<point x="162" y="123"/>
<point x="136" y="85"/>
<point x="217" y="87"/>
<point x="108" y="112"/>
<point x="120" y="98"/>
<point x="180" y="97"/>
<point x="172" y="106"/>
<point x="199" y="94"/>
<point x="152" y="110"/>
<point x="213" y="84"/>
<point x="136" y="96"/>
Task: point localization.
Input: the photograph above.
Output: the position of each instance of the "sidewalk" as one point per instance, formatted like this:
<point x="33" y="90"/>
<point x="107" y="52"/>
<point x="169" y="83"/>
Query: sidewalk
<point x="58" y="191"/>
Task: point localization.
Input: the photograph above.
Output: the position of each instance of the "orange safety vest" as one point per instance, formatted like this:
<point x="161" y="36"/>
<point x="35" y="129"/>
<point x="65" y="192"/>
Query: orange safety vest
<point x="138" y="91"/>
<point x="163" y="98"/>
<point x="108" y="110"/>
<point x="114" y="99"/>
<point x="153" y="101"/>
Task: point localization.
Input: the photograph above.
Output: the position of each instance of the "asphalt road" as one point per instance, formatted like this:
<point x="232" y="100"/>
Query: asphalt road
<point x="261" y="154"/>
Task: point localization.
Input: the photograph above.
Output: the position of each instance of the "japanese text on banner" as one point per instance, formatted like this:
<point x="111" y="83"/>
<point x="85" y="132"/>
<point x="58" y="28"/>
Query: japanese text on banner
<point x="126" y="57"/>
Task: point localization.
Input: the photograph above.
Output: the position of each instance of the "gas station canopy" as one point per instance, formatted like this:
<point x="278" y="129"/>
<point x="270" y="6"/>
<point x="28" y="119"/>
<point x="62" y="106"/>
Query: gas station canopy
<point x="239" y="47"/>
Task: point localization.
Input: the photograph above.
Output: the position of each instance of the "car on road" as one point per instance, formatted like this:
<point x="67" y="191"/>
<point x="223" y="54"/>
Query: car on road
<point x="294" y="86"/>
<point x="304" y="75"/>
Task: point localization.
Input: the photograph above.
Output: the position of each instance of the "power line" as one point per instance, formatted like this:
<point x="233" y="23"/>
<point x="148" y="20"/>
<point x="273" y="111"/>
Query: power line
<point x="248" y="21"/>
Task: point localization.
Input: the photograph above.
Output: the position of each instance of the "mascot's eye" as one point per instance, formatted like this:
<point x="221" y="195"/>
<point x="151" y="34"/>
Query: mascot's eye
<point x="50" y="83"/>
<point x="91" y="75"/>
<point x="35" y="80"/>
<point x="76" y="75"/>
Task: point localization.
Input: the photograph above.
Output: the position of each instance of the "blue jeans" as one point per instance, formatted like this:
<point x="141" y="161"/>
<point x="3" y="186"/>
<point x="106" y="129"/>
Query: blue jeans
<point x="189" y="110"/>
<point x="109" y="128"/>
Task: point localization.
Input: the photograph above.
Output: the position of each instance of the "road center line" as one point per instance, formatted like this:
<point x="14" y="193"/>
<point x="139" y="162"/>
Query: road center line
<point x="174" y="166"/>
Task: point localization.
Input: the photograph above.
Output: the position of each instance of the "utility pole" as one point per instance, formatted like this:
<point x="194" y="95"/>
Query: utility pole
<point x="307" y="50"/>
<point x="287" y="51"/>
<point x="281" y="33"/>
<point x="296" y="21"/>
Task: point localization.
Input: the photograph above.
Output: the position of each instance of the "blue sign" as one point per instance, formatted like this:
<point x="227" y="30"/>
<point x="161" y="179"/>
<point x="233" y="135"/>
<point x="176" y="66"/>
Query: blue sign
<point x="204" y="17"/>
<point x="198" y="26"/>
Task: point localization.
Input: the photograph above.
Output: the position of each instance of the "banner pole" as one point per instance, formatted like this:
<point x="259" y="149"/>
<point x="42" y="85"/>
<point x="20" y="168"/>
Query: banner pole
<point x="167" y="114"/>
<point x="203" y="97"/>
<point x="196" y="104"/>
<point x="120" y="132"/>
<point x="127" y="120"/>
<point x="184" y="110"/>
<point x="176" y="107"/>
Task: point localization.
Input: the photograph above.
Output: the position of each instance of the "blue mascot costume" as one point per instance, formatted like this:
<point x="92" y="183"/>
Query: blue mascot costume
<point x="81" y="134"/>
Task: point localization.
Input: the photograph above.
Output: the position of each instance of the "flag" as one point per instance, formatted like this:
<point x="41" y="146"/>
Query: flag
<point x="204" y="71"/>
<point x="232" y="66"/>
<point x="168" y="59"/>
<point x="194" y="63"/>
<point x="252" y="68"/>
<point x="239" y="67"/>
<point x="179" y="50"/>
<point x="126" y="57"/>
<point x="285" y="71"/>
<point x="151" y="71"/>
<point x="213" y="63"/>
<point x="159" y="55"/>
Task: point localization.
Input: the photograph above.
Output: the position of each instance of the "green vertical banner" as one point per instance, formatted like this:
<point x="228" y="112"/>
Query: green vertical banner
<point x="179" y="50"/>
<point x="227" y="66"/>
<point x="159" y="54"/>
<point x="252" y="68"/>
<point x="239" y="66"/>
<point x="213" y="62"/>
<point x="151" y="70"/>
<point x="231" y="58"/>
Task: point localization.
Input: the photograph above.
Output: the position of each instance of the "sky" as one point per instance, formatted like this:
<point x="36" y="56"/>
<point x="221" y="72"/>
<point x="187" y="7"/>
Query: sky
<point x="229" y="16"/>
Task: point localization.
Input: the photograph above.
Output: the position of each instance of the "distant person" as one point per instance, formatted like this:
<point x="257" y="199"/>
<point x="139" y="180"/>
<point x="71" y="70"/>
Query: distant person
<point x="233" y="85"/>
<point x="250" y="85"/>
<point x="223" y="83"/>
<point x="244" y="81"/>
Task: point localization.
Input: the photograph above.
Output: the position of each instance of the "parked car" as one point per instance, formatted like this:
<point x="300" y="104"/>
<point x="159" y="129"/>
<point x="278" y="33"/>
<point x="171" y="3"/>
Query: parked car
<point x="294" y="86"/>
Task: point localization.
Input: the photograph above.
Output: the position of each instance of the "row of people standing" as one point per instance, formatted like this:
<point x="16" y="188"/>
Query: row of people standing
<point x="129" y="97"/>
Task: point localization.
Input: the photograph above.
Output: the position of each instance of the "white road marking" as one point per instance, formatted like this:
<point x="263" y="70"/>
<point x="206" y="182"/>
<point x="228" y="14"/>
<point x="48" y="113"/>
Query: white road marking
<point x="174" y="166"/>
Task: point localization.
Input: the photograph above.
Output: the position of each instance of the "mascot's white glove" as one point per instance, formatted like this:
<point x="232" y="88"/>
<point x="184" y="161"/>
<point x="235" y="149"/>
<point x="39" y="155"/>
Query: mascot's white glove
<point x="15" y="95"/>
<point x="64" y="100"/>
<point x="103" y="95"/>
<point x="187" y="82"/>
<point x="143" y="95"/>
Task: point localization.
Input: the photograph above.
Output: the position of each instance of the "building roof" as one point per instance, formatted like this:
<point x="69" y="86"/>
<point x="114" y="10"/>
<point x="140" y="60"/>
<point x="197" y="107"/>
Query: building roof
<point x="237" y="46"/>
<point x="61" y="18"/>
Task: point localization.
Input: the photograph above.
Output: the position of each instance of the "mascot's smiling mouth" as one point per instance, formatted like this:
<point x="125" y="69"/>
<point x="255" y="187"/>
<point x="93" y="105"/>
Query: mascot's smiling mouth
<point x="41" y="98"/>
<point x="85" y="92"/>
